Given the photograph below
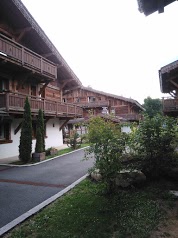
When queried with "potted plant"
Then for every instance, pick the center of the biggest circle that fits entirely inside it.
(39, 153)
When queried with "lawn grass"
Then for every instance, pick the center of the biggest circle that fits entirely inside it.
(86, 212)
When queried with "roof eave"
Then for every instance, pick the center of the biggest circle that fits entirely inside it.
(44, 37)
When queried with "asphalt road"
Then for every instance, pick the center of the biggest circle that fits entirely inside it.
(22, 188)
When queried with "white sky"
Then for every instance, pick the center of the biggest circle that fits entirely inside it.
(109, 44)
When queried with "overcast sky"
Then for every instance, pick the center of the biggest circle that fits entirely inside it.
(109, 44)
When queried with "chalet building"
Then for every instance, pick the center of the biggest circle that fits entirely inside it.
(103, 103)
(150, 6)
(30, 65)
(168, 76)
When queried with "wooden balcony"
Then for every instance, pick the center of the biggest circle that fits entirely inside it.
(10, 51)
(131, 116)
(170, 104)
(93, 104)
(14, 103)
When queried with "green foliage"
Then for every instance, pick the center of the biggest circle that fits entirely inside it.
(154, 142)
(40, 141)
(107, 143)
(74, 140)
(152, 106)
(25, 146)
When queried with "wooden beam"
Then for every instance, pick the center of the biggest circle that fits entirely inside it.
(18, 128)
(59, 65)
(6, 32)
(173, 94)
(22, 32)
(47, 55)
(64, 124)
(120, 106)
(160, 6)
(43, 88)
(71, 89)
(66, 82)
(21, 78)
(174, 83)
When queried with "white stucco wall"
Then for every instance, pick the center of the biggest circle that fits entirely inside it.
(126, 129)
(54, 135)
(54, 138)
(11, 149)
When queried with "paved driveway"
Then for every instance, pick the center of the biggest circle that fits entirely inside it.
(22, 188)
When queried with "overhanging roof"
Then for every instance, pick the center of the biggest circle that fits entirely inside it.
(150, 6)
(168, 76)
(18, 17)
(114, 96)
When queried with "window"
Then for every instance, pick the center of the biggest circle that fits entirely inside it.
(5, 132)
(91, 99)
(33, 90)
(33, 129)
(77, 99)
(4, 84)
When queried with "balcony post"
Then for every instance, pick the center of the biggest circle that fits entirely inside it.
(56, 107)
(7, 102)
(41, 60)
(67, 109)
(22, 55)
(44, 105)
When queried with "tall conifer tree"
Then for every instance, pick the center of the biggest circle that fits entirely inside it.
(25, 147)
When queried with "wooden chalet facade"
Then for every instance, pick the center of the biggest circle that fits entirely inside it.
(104, 103)
(168, 76)
(150, 6)
(30, 65)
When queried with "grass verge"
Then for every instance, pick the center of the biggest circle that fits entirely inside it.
(85, 212)
(65, 151)
(59, 152)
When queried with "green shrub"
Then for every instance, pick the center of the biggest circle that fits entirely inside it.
(154, 142)
(107, 143)
(74, 141)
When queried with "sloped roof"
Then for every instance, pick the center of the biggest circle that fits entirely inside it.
(19, 17)
(168, 75)
(116, 119)
(114, 96)
(150, 6)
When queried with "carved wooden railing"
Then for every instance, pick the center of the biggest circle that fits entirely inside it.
(18, 54)
(93, 104)
(14, 102)
(170, 104)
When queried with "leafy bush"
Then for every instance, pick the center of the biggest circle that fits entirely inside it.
(108, 144)
(154, 142)
(25, 146)
(74, 141)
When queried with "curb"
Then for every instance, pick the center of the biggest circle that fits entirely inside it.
(36, 209)
(44, 161)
